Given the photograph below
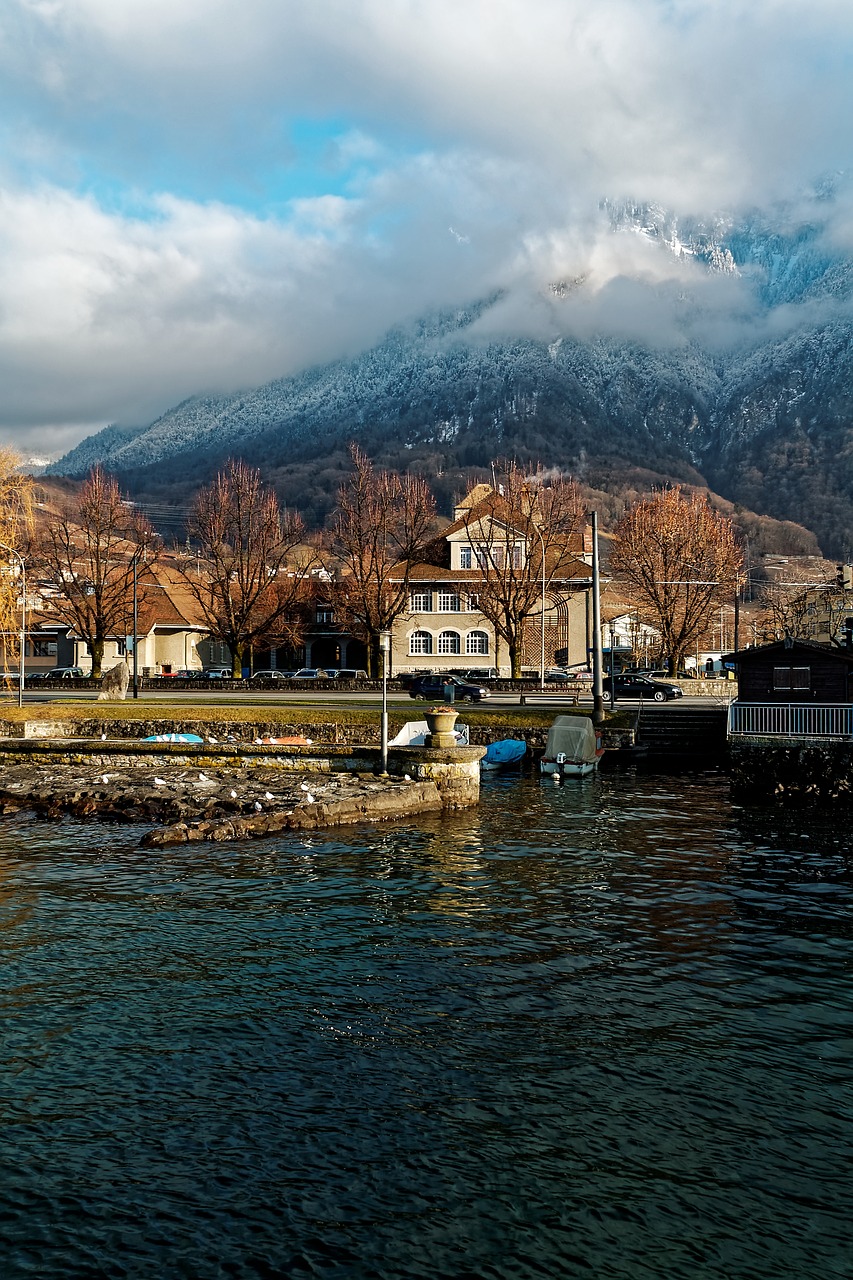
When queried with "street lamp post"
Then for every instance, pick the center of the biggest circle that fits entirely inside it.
(542, 619)
(385, 650)
(135, 628)
(20, 560)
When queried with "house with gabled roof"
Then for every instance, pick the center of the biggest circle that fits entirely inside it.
(171, 633)
(444, 628)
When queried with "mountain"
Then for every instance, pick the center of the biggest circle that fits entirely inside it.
(752, 397)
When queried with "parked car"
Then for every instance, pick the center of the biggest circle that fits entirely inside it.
(66, 673)
(310, 673)
(216, 673)
(433, 687)
(636, 686)
(272, 674)
(558, 675)
(351, 673)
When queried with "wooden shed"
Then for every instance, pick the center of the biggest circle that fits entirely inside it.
(793, 671)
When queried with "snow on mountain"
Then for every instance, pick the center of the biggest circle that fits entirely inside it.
(732, 397)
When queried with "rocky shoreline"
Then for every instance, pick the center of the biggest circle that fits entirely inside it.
(189, 804)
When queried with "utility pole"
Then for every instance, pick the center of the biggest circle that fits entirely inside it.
(597, 680)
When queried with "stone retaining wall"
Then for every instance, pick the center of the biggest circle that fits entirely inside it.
(814, 772)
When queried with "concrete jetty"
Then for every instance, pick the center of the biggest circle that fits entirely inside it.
(231, 791)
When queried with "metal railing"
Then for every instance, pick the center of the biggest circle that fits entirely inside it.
(788, 720)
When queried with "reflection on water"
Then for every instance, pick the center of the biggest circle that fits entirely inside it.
(599, 1030)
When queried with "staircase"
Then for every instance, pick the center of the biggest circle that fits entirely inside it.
(691, 733)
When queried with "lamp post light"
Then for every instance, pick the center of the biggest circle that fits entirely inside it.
(135, 629)
(612, 669)
(385, 650)
(542, 618)
(20, 560)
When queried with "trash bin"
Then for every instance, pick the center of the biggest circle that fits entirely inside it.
(449, 692)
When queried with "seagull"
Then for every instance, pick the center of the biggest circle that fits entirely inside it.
(309, 798)
(212, 739)
(103, 737)
(233, 795)
(407, 777)
(309, 742)
(160, 782)
(202, 777)
(268, 795)
(258, 807)
(105, 778)
(303, 786)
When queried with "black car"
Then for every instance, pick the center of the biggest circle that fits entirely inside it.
(637, 686)
(433, 687)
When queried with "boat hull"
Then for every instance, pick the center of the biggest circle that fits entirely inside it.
(570, 768)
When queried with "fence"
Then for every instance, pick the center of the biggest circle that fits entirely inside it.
(788, 720)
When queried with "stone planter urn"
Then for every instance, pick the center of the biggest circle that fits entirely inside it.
(440, 722)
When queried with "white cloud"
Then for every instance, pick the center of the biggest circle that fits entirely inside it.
(146, 252)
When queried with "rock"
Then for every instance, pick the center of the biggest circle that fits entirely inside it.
(114, 683)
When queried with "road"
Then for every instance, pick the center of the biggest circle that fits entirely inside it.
(327, 698)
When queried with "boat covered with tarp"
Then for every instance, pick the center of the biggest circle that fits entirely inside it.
(573, 748)
(503, 754)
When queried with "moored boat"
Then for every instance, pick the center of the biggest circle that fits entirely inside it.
(573, 748)
(502, 754)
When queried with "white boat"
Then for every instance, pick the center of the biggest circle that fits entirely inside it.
(573, 748)
(414, 733)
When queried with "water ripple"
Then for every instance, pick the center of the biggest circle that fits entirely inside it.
(599, 1031)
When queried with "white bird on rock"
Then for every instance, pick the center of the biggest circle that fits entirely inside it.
(160, 782)
(258, 807)
(309, 797)
(303, 786)
(103, 737)
(202, 777)
(105, 778)
(268, 795)
(233, 795)
(213, 739)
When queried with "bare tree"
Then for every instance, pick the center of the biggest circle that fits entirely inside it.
(249, 574)
(529, 523)
(89, 553)
(682, 558)
(382, 524)
(16, 518)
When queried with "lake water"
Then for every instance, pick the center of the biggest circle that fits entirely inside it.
(597, 1031)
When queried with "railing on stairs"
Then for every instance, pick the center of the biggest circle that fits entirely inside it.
(789, 720)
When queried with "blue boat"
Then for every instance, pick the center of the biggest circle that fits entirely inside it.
(174, 737)
(502, 754)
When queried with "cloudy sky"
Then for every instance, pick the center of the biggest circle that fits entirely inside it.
(200, 195)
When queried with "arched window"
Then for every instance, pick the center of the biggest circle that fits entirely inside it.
(477, 642)
(420, 642)
(449, 642)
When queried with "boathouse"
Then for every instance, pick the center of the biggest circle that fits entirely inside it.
(790, 730)
(792, 688)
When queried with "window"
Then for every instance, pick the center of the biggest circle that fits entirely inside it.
(421, 601)
(517, 555)
(44, 648)
(325, 615)
(785, 678)
(477, 642)
(473, 602)
(465, 557)
(421, 642)
(448, 601)
(448, 642)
